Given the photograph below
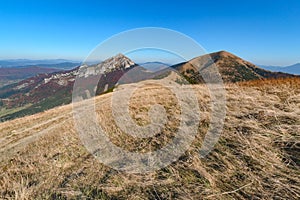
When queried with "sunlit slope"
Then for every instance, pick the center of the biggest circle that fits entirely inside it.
(257, 155)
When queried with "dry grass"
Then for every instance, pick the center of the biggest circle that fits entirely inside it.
(257, 156)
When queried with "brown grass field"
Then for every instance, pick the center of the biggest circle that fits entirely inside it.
(256, 157)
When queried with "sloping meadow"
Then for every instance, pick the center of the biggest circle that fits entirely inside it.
(256, 157)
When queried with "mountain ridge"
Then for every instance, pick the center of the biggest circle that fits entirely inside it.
(46, 91)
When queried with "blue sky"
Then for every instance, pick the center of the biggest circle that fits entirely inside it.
(263, 32)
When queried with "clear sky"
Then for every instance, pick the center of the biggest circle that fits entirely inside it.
(264, 32)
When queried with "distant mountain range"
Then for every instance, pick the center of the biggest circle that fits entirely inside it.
(61, 66)
(47, 90)
(65, 64)
(51, 63)
(292, 69)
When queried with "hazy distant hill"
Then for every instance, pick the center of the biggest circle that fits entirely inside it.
(51, 63)
(154, 66)
(292, 69)
(62, 66)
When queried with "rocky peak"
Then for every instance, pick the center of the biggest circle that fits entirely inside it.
(118, 62)
(115, 63)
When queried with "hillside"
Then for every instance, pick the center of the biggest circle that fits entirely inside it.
(15, 74)
(256, 157)
(231, 68)
(36, 94)
(46, 91)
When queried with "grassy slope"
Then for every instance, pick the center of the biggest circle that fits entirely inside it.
(256, 157)
(60, 98)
